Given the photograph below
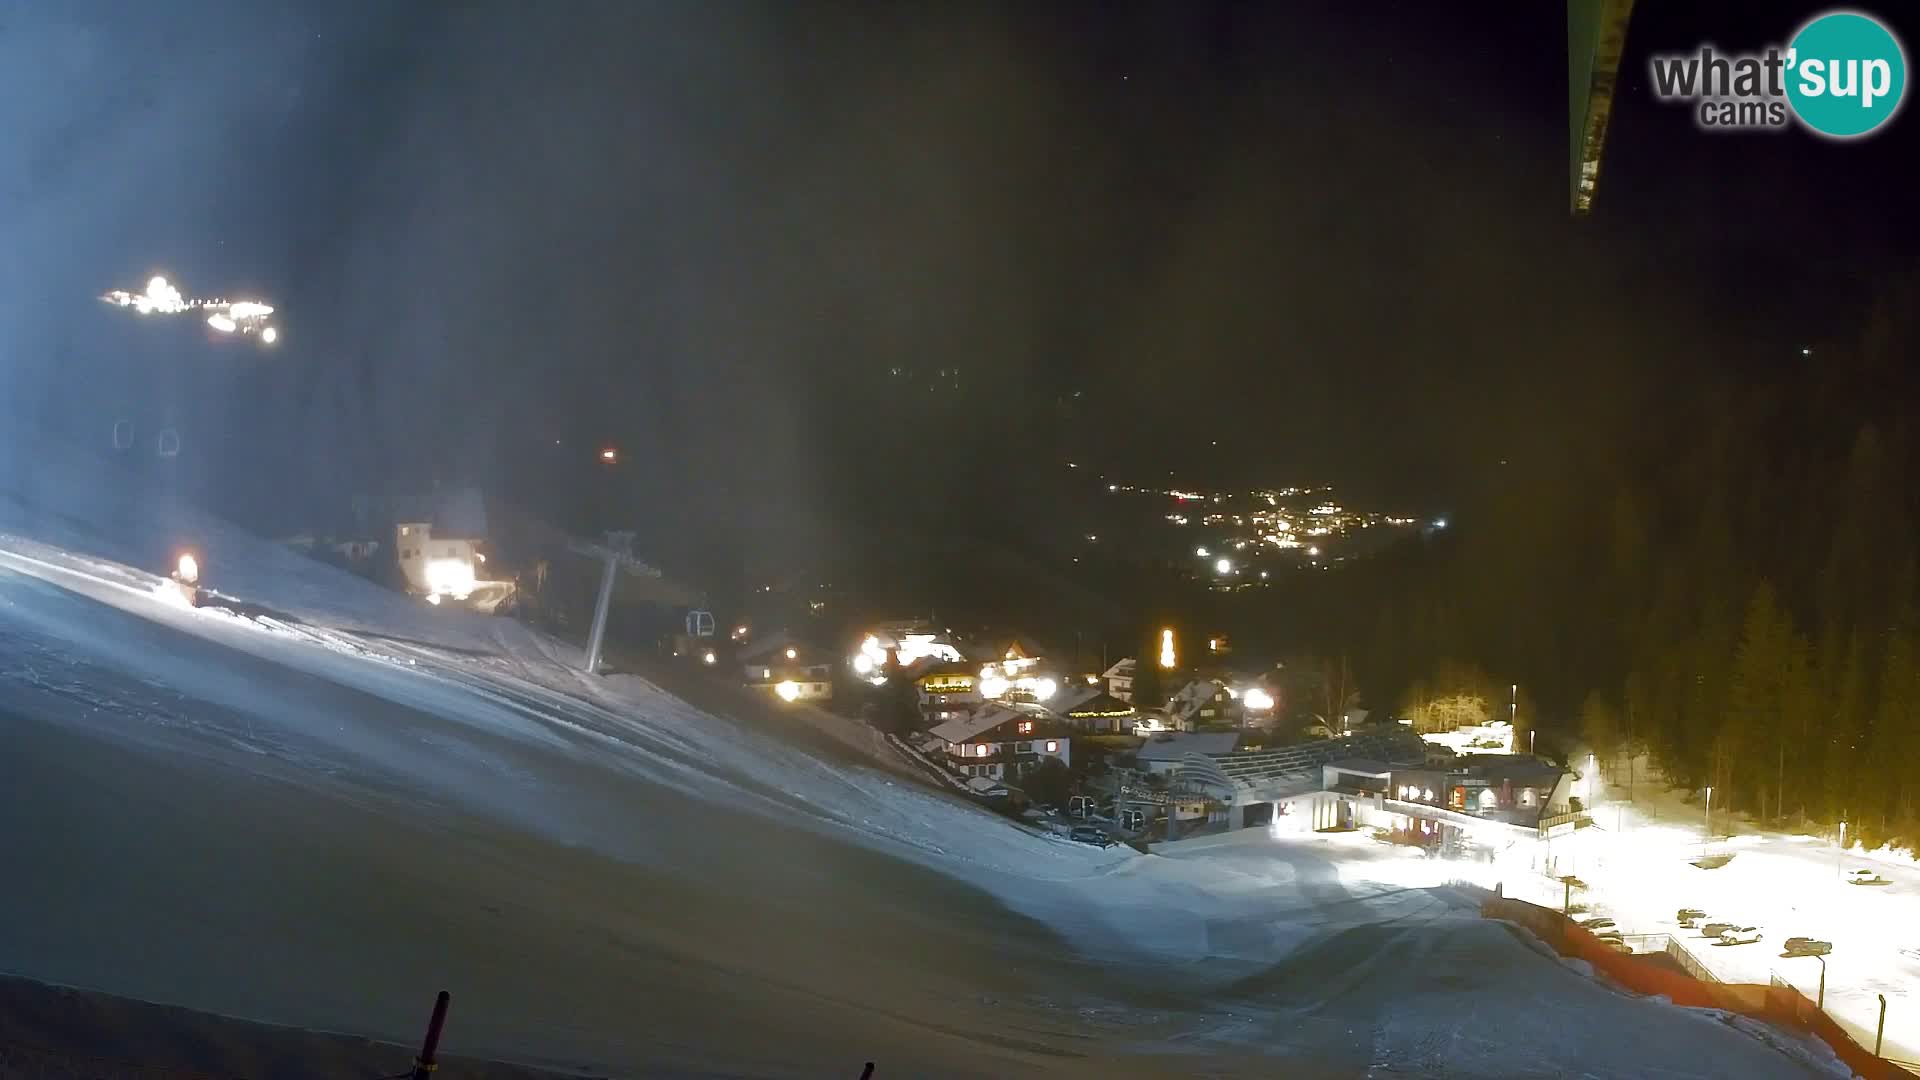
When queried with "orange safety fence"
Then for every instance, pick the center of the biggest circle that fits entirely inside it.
(1779, 1005)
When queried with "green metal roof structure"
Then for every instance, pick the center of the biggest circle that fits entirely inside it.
(1596, 39)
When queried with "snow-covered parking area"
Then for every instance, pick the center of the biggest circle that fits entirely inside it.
(1638, 861)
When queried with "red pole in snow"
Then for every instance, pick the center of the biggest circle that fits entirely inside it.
(424, 1065)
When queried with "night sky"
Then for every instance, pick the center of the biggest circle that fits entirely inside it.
(1333, 237)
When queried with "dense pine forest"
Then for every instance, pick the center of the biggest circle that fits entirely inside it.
(1730, 586)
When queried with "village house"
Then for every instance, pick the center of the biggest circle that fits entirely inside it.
(788, 668)
(1203, 705)
(1091, 709)
(1002, 743)
(1119, 679)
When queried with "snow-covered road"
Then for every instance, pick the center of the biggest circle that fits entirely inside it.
(321, 822)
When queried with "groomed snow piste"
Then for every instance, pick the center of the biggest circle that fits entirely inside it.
(320, 820)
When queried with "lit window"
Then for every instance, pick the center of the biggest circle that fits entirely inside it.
(1053, 747)
(980, 750)
(1026, 727)
(1426, 795)
(1489, 799)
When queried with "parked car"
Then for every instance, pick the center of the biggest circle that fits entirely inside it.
(1806, 946)
(1740, 935)
(1597, 924)
(1864, 876)
(1688, 916)
(1087, 834)
(1715, 929)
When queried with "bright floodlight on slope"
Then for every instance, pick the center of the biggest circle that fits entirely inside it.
(1041, 689)
(788, 690)
(709, 657)
(188, 570)
(450, 577)
(162, 297)
(1257, 699)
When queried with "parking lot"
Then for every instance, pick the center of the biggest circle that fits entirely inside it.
(1638, 865)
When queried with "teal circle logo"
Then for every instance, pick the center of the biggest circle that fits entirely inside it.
(1846, 74)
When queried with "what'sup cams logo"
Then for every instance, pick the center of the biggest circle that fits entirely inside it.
(1842, 76)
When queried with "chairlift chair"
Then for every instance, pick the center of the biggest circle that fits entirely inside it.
(123, 434)
(700, 624)
(168, 444)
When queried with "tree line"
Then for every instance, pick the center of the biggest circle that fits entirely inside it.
(1732, 588)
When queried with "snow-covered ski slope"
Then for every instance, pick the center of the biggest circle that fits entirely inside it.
(320, 822)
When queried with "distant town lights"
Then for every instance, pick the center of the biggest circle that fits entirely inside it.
(1201, 552)
(1223, 566)
(610, 455)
